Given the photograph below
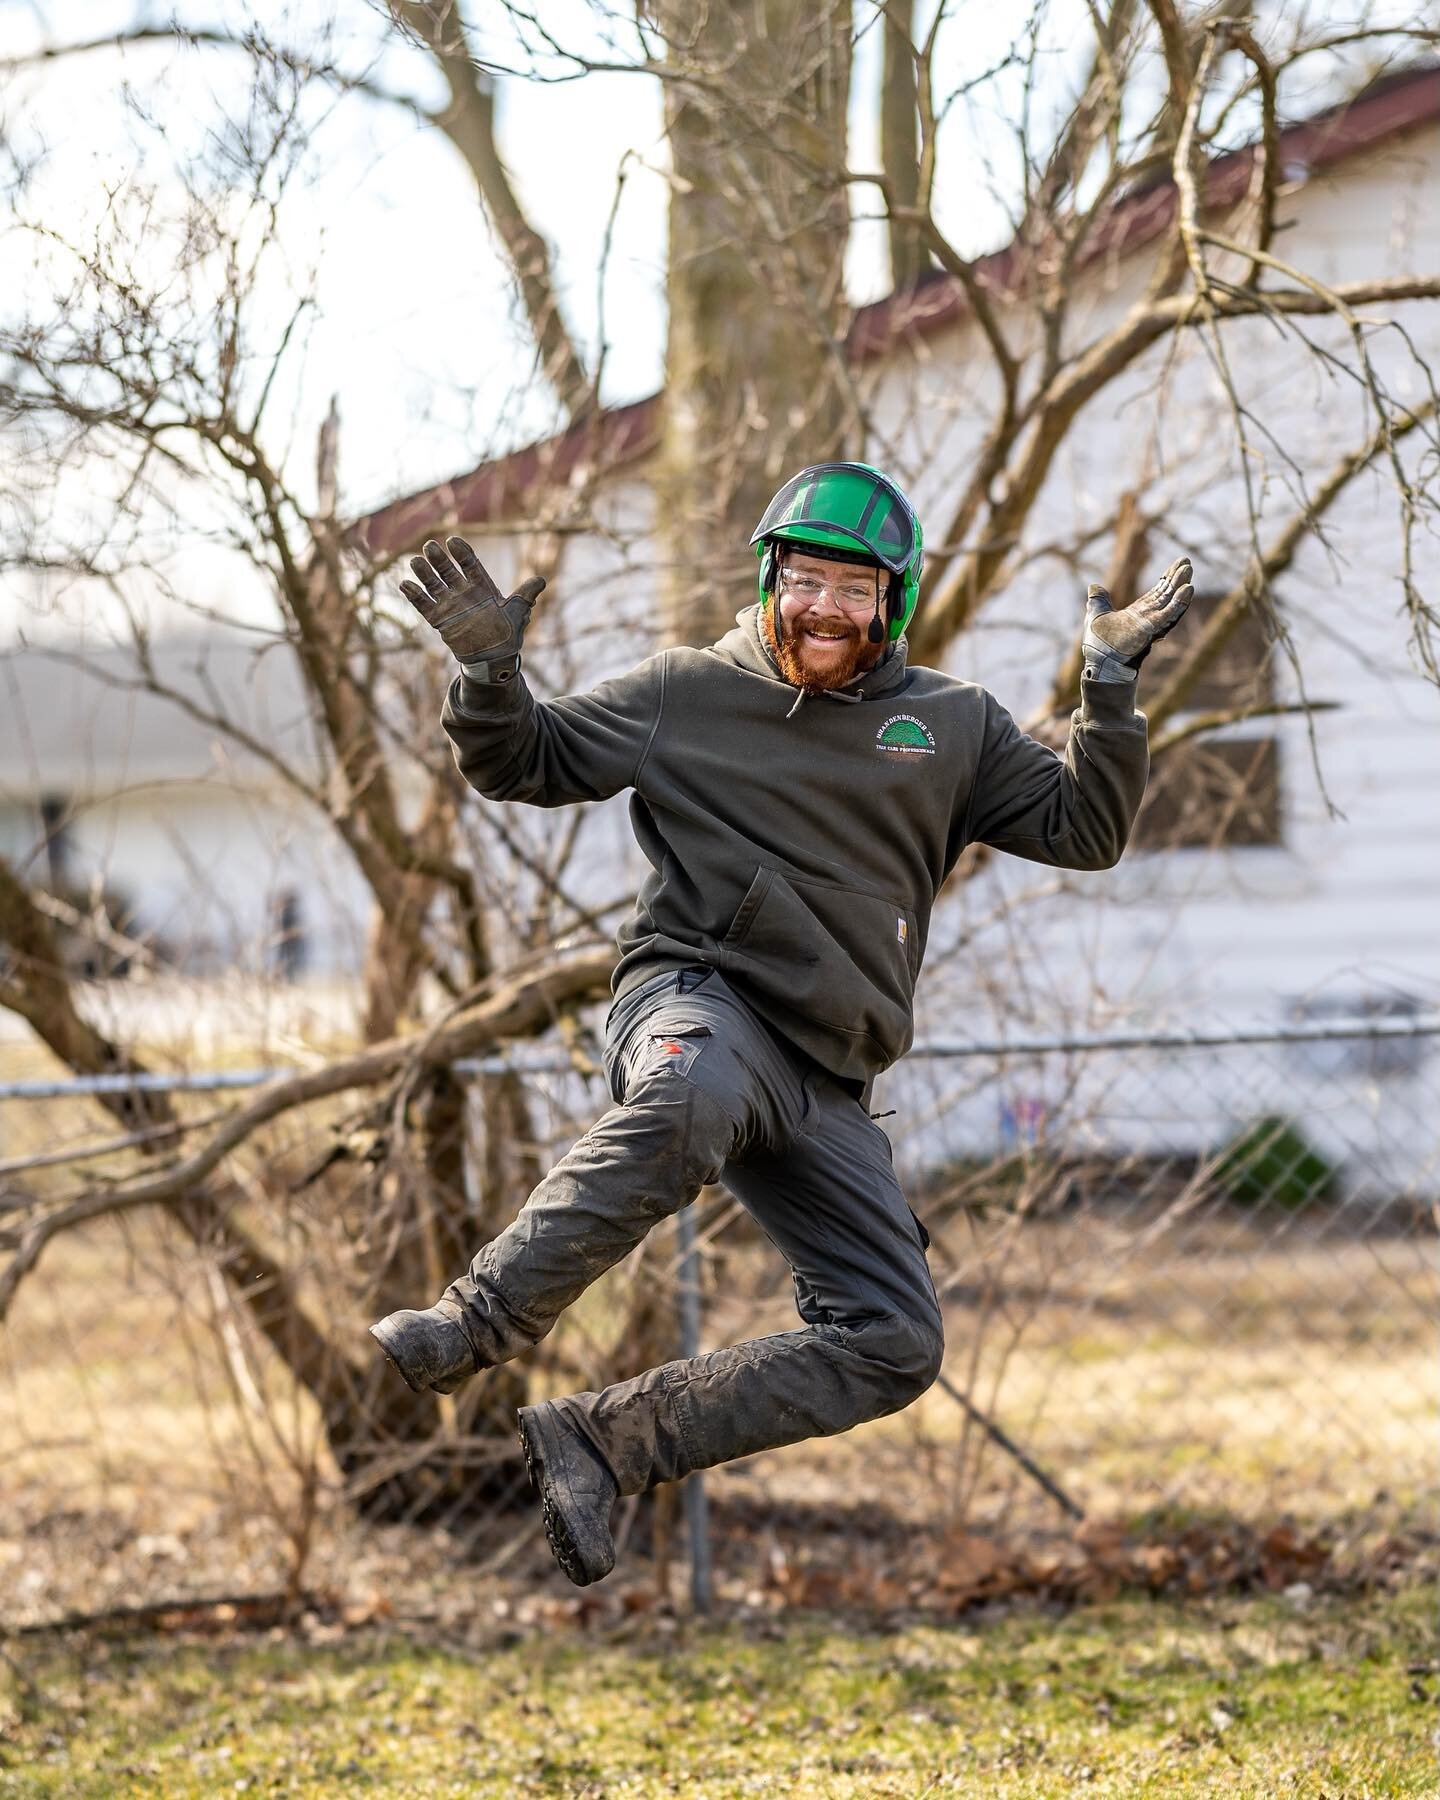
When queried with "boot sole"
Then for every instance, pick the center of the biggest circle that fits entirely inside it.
(533, 1435)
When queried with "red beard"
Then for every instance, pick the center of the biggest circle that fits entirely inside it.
(856, 654)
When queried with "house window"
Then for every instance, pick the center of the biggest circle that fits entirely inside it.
(1214, 790)
(1371, 1059)
(55, 823)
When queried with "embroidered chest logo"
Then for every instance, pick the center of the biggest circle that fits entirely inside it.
(903, 734)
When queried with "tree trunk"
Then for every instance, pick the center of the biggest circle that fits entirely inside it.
(900, 141)
(394, 957)
(439, 1467)
(508, 1167)
(755, 378)
(420, 1452)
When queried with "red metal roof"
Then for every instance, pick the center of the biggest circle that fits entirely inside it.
(1392, 106)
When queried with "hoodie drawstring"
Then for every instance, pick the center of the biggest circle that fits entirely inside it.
(827, 694)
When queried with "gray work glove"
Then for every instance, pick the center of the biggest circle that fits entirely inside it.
(1115, 643)
(456, 596)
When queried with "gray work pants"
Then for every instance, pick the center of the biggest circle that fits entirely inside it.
(706, 1092)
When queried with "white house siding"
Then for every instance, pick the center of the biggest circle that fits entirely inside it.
(197, 837)
(1340, 912)
(204, 865)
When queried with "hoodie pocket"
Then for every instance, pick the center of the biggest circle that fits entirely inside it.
(834, 958)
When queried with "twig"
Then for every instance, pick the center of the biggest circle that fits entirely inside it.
(509, 1551)
(1265, 176)
(1235, 715)
(1273, 561)
(131, 1140)
(1011, 1448)
(98, 926)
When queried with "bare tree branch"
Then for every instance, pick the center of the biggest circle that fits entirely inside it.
(516, 1008)
(967, 579)
(252, 42)
(469, 123)
(1205, 723)
(1261, 572)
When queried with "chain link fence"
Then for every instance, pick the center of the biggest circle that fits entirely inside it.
(1189, 1282)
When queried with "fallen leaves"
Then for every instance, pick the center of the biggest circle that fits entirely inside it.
(768, 1560)
(950, 1572)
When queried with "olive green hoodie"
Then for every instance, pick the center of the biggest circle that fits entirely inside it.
(797, 841)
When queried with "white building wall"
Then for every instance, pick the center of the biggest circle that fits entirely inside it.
(203, 866)
(1341, 910)
(1343, 890)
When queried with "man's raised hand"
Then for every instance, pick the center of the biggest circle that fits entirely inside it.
(1116, 643)
(454, 593)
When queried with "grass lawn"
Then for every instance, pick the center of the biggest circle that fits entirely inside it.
(1139, 1697)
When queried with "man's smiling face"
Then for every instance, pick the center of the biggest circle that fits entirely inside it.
(823, 637)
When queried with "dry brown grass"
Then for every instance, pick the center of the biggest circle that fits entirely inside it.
(1257, 1379)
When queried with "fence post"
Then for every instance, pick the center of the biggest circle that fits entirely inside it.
(697, 1512)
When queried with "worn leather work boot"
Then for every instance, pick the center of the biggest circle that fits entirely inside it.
(430, 1348)
(576, 1491)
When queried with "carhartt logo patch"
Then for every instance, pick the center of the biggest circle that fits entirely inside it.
(903, 734)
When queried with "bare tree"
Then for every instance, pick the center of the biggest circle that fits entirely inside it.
(170, 397)
(1126, 170)
(1165, 147)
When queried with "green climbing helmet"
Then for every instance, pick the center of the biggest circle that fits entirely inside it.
(856, 514)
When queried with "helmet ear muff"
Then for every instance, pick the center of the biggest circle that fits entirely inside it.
(894, 606)
(904, 593)
(770, 569)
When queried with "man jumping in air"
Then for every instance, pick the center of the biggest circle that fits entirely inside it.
(800, 793)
